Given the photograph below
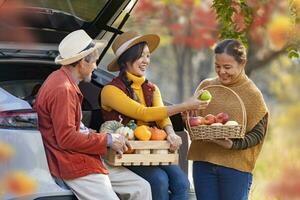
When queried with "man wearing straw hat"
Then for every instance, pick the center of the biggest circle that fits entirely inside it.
(74, 157)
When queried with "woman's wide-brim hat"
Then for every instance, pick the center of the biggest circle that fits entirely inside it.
(128, 39)
(77, 45)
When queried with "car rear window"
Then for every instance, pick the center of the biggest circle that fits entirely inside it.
(86, 10)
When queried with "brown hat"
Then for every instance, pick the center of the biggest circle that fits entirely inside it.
(127, 40)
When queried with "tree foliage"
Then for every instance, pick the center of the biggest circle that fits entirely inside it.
(193, 26)
(235, 18)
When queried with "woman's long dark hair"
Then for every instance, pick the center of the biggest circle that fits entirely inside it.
(129, 56)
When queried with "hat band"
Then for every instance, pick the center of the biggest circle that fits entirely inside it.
(124, 46)
(90, 45)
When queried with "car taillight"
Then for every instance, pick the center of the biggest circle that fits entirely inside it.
(18, 119)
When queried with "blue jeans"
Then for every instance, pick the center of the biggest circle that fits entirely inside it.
(215, 182)
(167, 182)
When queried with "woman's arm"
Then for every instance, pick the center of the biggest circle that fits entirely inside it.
(157, 101)
(114, 98)
(252, 138)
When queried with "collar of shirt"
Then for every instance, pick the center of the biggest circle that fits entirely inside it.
(72, 79)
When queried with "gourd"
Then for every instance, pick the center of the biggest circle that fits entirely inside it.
(142, 133)
(110, 126)
(131, 124)
(126, 131)
(157, 134)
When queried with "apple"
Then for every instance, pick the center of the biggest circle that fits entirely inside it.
(222, 117)
(209, 119)
(196, 121)
(205, 96)
(232, 123)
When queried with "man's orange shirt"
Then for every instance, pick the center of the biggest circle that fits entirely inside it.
(70, 153)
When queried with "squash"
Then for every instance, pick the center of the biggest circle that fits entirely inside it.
(110, 126)
(126, 131)
(157, 134)
(142, 133)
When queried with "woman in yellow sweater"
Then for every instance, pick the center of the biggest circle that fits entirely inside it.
(222, 169)
(132, 96)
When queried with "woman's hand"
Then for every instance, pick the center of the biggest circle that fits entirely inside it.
(225, 143)
(193, 103)
(175, 141)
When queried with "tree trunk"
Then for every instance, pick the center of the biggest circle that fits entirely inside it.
(180, 58)
(255, 63)
(205, 66)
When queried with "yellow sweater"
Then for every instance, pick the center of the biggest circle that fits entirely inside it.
(112, 98)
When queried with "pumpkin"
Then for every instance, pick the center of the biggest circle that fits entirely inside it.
(126, 131)
(110, 126)
(157, 134)
(129, 151)
(142, 133)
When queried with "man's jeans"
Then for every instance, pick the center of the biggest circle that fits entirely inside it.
(167, 182)
(215, 182)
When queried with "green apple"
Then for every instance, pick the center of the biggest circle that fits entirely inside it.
(205, 96)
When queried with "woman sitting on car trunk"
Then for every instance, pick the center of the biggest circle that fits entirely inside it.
(132, 96)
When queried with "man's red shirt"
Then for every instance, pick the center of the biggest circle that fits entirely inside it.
(70, 154)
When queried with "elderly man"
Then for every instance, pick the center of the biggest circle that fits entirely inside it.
(74, 157)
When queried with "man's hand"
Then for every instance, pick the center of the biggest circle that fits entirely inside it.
(225, 143)
(118, 143)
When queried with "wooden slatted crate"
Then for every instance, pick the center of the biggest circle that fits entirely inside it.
(146, 153)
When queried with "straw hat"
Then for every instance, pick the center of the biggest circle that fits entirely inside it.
(127, 40)
(75, 47)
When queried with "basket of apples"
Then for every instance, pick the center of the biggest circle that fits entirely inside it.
(223, 118)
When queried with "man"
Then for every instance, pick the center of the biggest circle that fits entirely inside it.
(74, 158)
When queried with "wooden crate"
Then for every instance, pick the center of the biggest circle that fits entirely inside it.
(146, 153)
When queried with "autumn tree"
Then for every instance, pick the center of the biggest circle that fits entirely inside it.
(194, 26)
(191, 27)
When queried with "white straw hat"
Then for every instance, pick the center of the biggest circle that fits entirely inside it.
(75, 46)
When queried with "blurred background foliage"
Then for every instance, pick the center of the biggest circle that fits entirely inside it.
(190, 28)
(270, 29)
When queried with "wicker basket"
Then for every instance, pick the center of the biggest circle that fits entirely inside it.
(233, 105)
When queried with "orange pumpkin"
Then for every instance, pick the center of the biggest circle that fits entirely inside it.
(158, 134)
(142, 133)
(129, 151)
